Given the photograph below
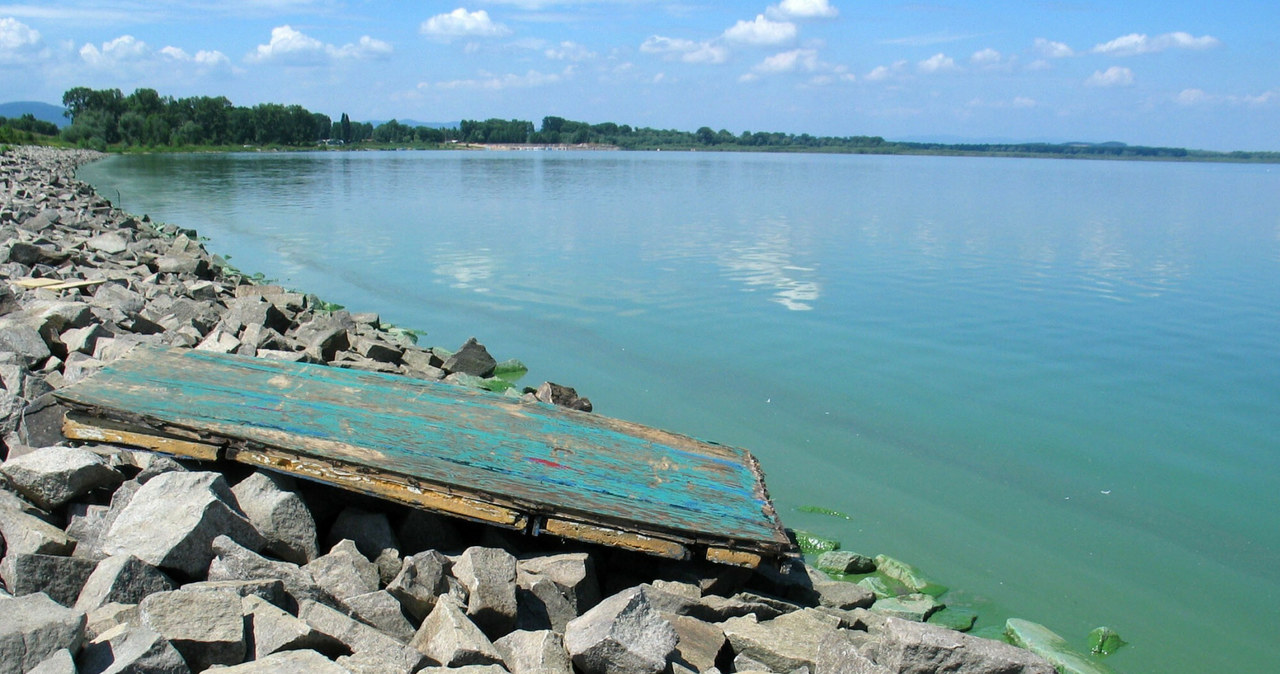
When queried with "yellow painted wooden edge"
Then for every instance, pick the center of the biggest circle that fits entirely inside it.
(56, 284)
(386, 485)
(743, 558)
(592, 533)
(98, 430)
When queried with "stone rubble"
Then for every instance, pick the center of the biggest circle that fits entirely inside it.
(121, 560)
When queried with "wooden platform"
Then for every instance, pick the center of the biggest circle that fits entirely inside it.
(477, 455)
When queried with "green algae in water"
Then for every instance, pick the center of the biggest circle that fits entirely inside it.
(819, 510)
(958, 618)
(510, 370)
(1105, 641)
(812, 544)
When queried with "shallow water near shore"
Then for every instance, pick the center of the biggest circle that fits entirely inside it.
(1051, 385)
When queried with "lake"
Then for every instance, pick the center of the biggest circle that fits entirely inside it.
(1052, 385)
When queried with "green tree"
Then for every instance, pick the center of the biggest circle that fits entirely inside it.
(346, 129)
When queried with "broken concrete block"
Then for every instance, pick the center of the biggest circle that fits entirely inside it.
(207, 628)
(621, 635)
(52, 476)
(449, 638)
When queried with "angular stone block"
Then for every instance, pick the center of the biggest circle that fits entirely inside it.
(280, 515)
(623, 634)
(421, 580)
(344, 572)
(131, 648)
(35, 627)
(489, 574)
(450, 639)
(233, 561)
(52, 476)
(275, 630)
(382, 611)
(207, 628)
(574, 573)
(784, 643)
(59, 577)
(538, 652)
(361, 638)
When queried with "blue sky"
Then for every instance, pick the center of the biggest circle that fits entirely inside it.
(1191, 74)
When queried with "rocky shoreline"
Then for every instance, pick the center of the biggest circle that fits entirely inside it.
(125, 561)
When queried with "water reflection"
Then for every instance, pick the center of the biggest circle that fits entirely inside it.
(768, 264)
(466, 270)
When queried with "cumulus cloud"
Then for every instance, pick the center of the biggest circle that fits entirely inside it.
(800, 60)
(492, 82)
(986, 57)
(1115, 76)
(685, 50)
(1190, 97)
(461, 23)
(802, 9)
(1051, 49)
(205, 59)
(17, 38)
(291, 47)
(129, 54)
(569, 51)
(124, 49)
(937, 63)
(882, 73)
(761, 32)
(1138, 43)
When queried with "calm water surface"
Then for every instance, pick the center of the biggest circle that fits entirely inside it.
(1053, 385)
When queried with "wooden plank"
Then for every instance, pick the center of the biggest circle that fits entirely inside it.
(467, 452)
(79, 427)
(630, 540)
(57, 284)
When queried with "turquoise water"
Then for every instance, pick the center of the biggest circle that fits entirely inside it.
(1052, 385)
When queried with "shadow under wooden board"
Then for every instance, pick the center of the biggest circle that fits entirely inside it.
(522, 465)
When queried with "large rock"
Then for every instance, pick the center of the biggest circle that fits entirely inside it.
(59, 577)
(917, 607)
(1053, 649)
(35, 627)
(371, 531)
(233, 561)
(172, 520)
(27, 534)
(623, 634)
(207, 628)
(422, 578)
(489, 574)
(451, 640)
(908, 575)
(381, 610)
(361, 638)
(842, 595)
(472, 358)
(909, 647)
(839, 653)
(344, 572)
(784, 643)
(60, 662)
(129, 649)
(700, 643)
(52, 476)
(124, 579)
(41, 423)
(24, 340)
(844, 561)
(275, 630)
(540, 604)
(538, 652)
(289, 662)
(279, 514)
(574, 573)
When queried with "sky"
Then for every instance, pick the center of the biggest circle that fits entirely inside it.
(1165, 73)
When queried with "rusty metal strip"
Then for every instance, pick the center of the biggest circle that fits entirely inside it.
(385, 485)
(79, 427)
(749, 560)
(591, 533)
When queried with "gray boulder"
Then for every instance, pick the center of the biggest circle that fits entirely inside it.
(60, 662)
(784, 643)
(842, 595)
(843, 561)
(52, 476)
(917, 607)
(451, 640)
(909, 647)
(361, 638)
(700, 643)
(26, 534)
(541, 605)
(344, 572)
(232, 561)
(422, 578)
(539, 652)
(381, 610)
(839, 653)
(489, 574)
(279, 514)
(574, 573)
(34, 628)
(472, 358)
(623, 634)
(172, 520)
(131, 649)
(270, 590)
(371, 531)
(24, 340)
(59, 577)
(207, 628)
(289, 662)
(124, 579)
(275, 630)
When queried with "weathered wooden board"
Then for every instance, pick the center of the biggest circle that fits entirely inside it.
(487, 457)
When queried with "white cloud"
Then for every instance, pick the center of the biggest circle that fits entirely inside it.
(1024, 102)
(124, 49)
(788, 61)
(761, 32)
(461, 23)
(569, 51)
(882, 73)
(205, 59)
(685, 50)
(1053, 50)
(291, 47)
(802, 9)
(1138, 43)
(17, 36)
(1115, 76)
(494, 82)
(1190, 97)
(937, 63)
(986, 57)
(1038, 65)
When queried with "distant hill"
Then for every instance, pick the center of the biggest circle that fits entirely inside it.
(41, 111)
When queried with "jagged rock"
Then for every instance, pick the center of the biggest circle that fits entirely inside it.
(61, 578)
(371, 531)
(270, 590)
(452, 640)
(1049, 648)
(289, 662)
(344, 572)
(60, 662)
(111, 243)
(839, 654)
(841, 595)
(41, 422)
(25, 341)
(381, 610)
(108, 616)
(377, 350)
(908, 575)
(843, 561)
(621, 635)
(322, 337)
(275, 630)
(714, 609)
(219, 341)
(910, 647)
(421, 580)
(90, 543)
(699, 645)
(207, 628)
(917, 607)
(172, 520)
(117, 296)
(35, 627)
(280, 515)
(24, 533)
(574, 573)
(539, 652)
(254, 311)
(52, 476)
(233, 561)
(131, 648)
(784, 643)
(472, 358)
(361, 638)
(489, 574)
(563, 396)
(388, 562)
(540, 604)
